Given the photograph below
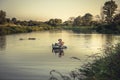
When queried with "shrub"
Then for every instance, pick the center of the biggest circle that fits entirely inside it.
(104, 67)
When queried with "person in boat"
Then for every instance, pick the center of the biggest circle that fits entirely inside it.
(60, 42)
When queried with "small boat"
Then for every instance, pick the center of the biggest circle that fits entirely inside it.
(58, 47)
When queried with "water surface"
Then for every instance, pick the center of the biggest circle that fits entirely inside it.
(34, 59)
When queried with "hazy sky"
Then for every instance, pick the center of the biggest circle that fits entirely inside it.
(45, 9)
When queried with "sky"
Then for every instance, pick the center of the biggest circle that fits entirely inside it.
(43, 10)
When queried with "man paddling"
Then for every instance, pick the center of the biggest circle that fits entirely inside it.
(60, 42)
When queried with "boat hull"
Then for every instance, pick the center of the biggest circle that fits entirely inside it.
(58, 47)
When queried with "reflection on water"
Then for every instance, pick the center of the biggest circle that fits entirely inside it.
(2, 42)
(109, 39)
(58, 52)
(33, 59)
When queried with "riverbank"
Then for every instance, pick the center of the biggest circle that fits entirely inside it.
(4, 30)
(102, 29)
(80, 29)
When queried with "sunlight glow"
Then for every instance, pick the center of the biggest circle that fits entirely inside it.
(45, 9)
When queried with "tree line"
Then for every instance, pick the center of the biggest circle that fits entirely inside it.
(106, 22)
(4, 20)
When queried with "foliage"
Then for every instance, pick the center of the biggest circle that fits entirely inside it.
(84, 20)
(55, 22)
(80, 29)
(101, 66)
(77, 21)
(14, 20)
(80, 24)
(87, 18)
(109, 9)
(117, 19)
(2, 16)
(68, 23)
(104, 67)
(108, 28)
(20, 29)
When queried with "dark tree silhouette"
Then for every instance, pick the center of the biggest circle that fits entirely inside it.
(86, 19)
(2, 16)
(117, 19)
(77, 21)
(55, 22)
(14, 20)
(109, 9)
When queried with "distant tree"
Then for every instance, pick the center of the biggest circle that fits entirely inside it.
(51, 22)
(71, 19)
(14, 20)
(77, 21)
(97, 18)
(102, 15)
(68, 23)
(24, 23)
(55, 22)
(86, 19)
(117, 19)
(109, 9)
(58, 22)
(8, 20)
(2, 16)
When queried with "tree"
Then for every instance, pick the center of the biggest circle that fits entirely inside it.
(8, 20)
(117, 19)
(68, 23)
(55, 22)
(77, 21)
(71, 19)
(86, 19)
(58, 22)
(14, 20)
(109, 9)
(2, 16)
(102, 15)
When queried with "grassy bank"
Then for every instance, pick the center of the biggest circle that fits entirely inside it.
(80, 29)
(24, 29)
(102, 29)
(108, 28)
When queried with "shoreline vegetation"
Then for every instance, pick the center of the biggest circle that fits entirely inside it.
(101, 66)
(107, 23)
(102, 29)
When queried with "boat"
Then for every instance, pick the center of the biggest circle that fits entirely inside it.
(54, 46)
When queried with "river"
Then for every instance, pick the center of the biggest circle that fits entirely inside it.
(34, 59)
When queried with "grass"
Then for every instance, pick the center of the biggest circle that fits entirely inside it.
(8, 29)
(80, 29)
(104, 66)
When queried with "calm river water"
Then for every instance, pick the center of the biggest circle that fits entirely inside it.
(34, 59)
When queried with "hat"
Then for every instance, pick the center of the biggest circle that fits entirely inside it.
(59, 39)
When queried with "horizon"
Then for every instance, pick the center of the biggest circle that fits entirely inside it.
(43, 10)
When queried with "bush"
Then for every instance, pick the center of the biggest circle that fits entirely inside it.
(108, 28)
(21, 29)
(105, 67)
